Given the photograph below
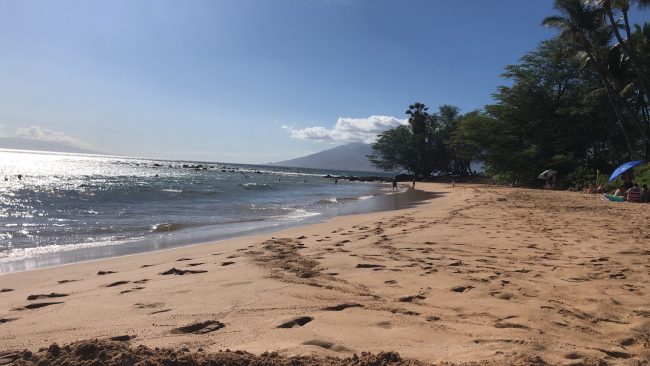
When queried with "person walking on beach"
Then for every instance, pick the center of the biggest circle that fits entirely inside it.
(394, 183)
(413, 181)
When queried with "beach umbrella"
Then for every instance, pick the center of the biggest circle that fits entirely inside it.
(546, 173)
(624, 168)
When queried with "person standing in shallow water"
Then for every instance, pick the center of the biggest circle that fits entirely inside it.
(414, 182)
(394, 183)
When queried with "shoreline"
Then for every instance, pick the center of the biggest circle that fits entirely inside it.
(477, 274)
(377, 203)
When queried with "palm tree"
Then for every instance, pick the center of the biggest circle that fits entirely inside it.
(418, 117)
(581, 26)
(627, 47)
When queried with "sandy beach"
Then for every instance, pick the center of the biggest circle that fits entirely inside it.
(482, 274)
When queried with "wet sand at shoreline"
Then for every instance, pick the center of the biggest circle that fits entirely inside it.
(478, 274)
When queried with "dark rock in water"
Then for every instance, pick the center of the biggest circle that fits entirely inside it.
(353, 178)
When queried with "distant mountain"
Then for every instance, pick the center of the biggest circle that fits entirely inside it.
(345, 157)
(40, 145)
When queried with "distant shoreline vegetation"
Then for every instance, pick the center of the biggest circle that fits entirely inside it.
(577, 104)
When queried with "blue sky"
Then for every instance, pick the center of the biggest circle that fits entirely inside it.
(247, 80)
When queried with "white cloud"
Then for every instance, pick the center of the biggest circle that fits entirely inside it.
(44, 134)
(348, 129)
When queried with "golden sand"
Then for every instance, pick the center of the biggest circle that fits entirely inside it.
(477, 274)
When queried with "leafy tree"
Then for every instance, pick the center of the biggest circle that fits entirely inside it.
(578, 104)
(423, 146)
(394, 151)
(545, 121)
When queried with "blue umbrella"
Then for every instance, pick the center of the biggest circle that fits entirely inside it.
(624, 168)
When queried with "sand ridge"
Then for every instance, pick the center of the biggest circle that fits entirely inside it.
(480, 274)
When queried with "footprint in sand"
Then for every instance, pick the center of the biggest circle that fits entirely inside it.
(137, 288)
(194, 264)
(66, 281)
(181, 272)
(6, 290)
(37, 305)
(102, 273)
(384, 324)
(183, 259)
(403, 312)
(153, 305)
(122, 338)
(341, 307)
(627, 342)
(412, 298)
(502, 295)
(503, 325)
(461, 289)
(391, 282)
(326, 345)
(615, 354)
(45, 296)
(118, 283)
(199, 328)
(227, 263)
(159, 311)
(642, 313)
(368, 265)
(7, 320)
(297, 322)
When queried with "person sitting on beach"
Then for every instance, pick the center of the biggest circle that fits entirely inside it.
(634, 193)
(620, 191)
(600, 189)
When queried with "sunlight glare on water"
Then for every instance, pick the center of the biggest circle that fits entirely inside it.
(65, 202)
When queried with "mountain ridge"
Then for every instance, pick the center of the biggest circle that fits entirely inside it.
(350, 157)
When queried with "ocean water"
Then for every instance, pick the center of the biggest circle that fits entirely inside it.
(69, 208)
